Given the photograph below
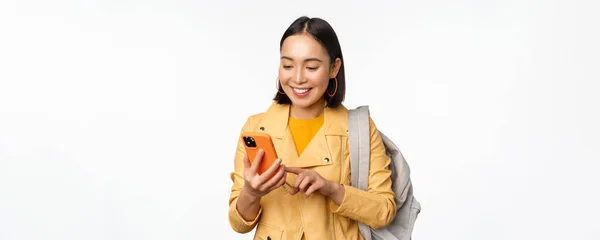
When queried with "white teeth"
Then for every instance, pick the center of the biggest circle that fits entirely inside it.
(298, 90)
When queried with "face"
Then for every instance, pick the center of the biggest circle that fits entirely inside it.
(305, 70)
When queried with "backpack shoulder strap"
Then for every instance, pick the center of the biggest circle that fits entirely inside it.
(359, 137)
(360, 149)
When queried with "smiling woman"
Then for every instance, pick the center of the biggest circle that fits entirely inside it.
(311, 57)
(308, 125)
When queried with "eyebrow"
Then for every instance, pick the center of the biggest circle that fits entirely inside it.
(306, 60)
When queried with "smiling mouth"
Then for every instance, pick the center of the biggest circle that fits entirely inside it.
(301, 90)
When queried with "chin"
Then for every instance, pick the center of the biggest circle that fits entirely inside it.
(304, 103)
(301, 103)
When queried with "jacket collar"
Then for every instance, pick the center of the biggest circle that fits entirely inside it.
(335, 120)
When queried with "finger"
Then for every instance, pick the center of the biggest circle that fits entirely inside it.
(275, 179)
(257, 160)
(313, 188)
(246, 162)
(267, 174)
(294, 189)
(298, 180)
(305, 184)
(280, 183)
(294, 170)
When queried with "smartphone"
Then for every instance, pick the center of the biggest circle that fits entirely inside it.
(253, 141)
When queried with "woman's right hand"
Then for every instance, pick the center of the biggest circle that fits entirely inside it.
(258, 185)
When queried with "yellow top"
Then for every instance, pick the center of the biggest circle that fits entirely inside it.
(303, 130)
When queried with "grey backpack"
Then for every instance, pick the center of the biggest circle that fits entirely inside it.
(408, 208)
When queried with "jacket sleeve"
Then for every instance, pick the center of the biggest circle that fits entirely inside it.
(376, 206)
(236, 221)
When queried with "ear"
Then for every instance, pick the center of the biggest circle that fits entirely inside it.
(335, 68)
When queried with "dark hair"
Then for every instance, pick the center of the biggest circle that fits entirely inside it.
(321, 31)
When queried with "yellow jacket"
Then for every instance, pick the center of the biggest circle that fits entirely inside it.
(283, 216)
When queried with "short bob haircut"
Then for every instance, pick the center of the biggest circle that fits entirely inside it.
(321, 31)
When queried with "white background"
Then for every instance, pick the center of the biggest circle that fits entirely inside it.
(119, 119)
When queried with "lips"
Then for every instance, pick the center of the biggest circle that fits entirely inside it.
(301, 92)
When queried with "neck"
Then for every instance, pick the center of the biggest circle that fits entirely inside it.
(309, 112)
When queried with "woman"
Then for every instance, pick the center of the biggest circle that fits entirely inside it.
(308, 125)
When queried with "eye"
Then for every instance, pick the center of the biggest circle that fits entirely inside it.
(287, 67)
(312, 68)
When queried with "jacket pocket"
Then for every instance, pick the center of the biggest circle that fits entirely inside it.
(267, 232)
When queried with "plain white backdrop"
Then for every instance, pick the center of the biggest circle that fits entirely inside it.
(119, 119)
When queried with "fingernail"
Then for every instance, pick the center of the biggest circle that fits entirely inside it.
(260, 151)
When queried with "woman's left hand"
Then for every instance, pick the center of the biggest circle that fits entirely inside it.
(309, 181)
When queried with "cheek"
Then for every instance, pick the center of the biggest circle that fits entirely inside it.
(320, 79)
(284, 76)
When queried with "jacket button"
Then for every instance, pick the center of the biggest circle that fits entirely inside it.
(326, 160)
(262, 128)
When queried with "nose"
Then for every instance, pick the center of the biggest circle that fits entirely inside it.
(299, 78)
